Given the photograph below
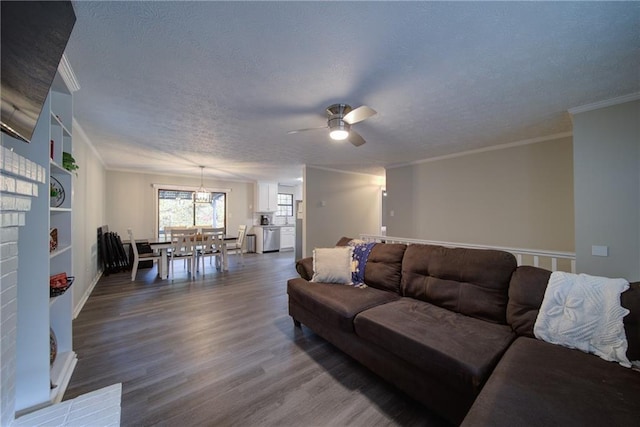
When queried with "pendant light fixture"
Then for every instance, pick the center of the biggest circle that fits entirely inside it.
(202, 195)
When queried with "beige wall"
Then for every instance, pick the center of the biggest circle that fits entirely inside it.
(520, 196)
(131, 201)
(339, 204)
(607, 190)
(88, 214)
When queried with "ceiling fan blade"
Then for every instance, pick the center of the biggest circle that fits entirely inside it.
(291, 132)
(359, 114)
(355, 138)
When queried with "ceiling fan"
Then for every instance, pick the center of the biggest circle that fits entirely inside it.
(339, 121)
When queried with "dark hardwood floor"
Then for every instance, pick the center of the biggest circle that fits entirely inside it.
(222, 350)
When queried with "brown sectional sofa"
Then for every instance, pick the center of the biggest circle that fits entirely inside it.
(453, 328)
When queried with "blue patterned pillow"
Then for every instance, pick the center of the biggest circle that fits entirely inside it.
(361, 253)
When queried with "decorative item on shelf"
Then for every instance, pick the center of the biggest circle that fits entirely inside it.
(53, 239)
(51, 143)
(56, 193)
(69, 163)
(59, 283)
(53, 346)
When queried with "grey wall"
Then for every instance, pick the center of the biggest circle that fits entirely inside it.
(607, 190)
(518, 196)
(401, 213)
(339, 204)
(89, 188)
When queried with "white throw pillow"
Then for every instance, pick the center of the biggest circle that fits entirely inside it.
(584, 312)
(332, 265)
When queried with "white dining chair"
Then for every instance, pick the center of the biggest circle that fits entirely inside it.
(183, 248)
(238, 247)
(210, 246)
(219, 230)
(172, 235)
(154, 256)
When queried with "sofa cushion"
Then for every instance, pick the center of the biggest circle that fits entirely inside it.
(457, 349)
(384, 266)
(537, 383)
(336, 304)
(526, 292)
(473, 282)
(344, 241)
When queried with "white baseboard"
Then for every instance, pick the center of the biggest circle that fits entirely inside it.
(85, 297)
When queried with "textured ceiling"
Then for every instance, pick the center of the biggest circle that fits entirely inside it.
(168, 86)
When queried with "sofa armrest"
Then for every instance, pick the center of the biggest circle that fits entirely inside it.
(304, 267)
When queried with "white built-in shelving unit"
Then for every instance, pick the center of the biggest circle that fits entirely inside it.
(38, 382)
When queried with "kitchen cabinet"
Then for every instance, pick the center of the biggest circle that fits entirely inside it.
(266, 197)
(287, 238)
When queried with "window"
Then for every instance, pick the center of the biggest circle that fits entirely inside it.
(285, 204)
(176, 209)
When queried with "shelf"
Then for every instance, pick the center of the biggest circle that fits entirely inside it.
(52, 300)
(56, 168)
(56, 122)
(61, 374)
(59, 251)
(52, 210)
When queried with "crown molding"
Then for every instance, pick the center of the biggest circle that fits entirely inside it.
(179, 175)
(77, 129)
(67, 74)
(179, 187)
(324, 168)
(603, 104)
(486, 149)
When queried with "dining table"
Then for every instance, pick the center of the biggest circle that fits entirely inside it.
(162, 246)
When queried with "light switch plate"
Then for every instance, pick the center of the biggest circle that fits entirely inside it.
(599, 250)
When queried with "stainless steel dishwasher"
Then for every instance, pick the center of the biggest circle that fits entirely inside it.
(271, 239)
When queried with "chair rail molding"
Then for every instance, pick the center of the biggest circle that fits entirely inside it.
(519, 253)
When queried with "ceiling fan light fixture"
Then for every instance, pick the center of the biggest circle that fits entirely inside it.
(202, 195)
(340, 119)
(339, 129)
(339, 134)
